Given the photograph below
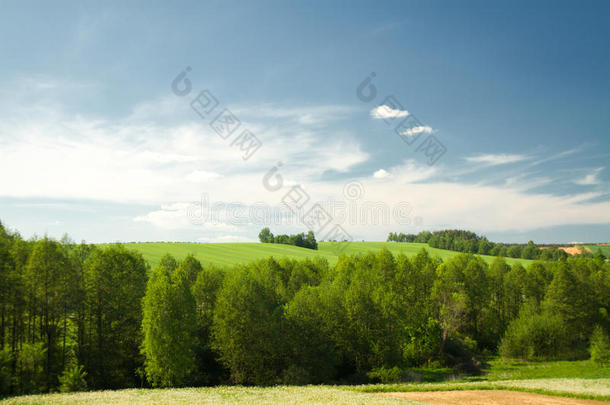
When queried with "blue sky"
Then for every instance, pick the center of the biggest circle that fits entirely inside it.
(93, 141)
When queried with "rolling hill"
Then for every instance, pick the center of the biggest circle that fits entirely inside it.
(229, 254)
(604, 249)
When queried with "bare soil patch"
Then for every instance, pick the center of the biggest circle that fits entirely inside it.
(571, 250)
(489, 397)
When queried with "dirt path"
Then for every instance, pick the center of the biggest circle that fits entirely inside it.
(489, 397)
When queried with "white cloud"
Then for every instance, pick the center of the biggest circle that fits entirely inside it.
(591, 178)
(422, 129)
(339, 156)
(496, 159)
(525, 182)
(411, 172)
(141, 160)
(381, 174)
(179, 216)
(202, 176)
(482, 208)
(384, 111)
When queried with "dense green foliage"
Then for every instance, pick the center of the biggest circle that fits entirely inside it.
(470, 242)
(169, 324)
(73, 379)
(300, 239)
(600, 346)
(75, 316)
(114, 284)
(70, 315)
(376, 316)
(422, 237)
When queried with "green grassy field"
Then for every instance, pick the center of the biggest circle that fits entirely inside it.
(518, 370)
(498, 369)
(575, 379)
(368, 394)
(229, 254)
(216, 395)
(605, 249)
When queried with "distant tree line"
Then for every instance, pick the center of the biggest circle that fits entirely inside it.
(422, 237)
(76, 316)
(470, 242)
(300, 239)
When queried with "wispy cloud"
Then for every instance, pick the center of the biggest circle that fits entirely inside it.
(384, 112)
(496, 159)
(302, 115)
(159, 162)
(174, 216)
(591, 178)
(147, 159)
(422, 129)
(557, 156)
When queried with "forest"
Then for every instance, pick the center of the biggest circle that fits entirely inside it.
(300, 239)
(470, 242)
(77, 316)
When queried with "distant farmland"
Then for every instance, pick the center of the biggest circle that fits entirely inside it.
(605, 249)
(229, 254)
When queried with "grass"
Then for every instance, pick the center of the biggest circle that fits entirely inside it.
(604, 249)
(230, 254)
(216, 395)
(572, 379)
(582, 388)
(586, 369)
(500, 370)
(598, 389)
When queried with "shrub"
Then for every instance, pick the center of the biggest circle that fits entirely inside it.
(536, 336)
(424, 343)
(73, 379)
(599, 346)
(386, 375)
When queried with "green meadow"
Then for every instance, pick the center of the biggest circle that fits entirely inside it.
(230, 254)
(573, 379)
(604, 249)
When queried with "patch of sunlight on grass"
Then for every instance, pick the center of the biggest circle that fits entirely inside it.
(215, 395)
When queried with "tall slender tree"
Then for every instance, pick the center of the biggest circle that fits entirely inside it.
(169, 325)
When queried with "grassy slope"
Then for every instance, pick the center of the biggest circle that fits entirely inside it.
(228, 254)
(605, 249)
